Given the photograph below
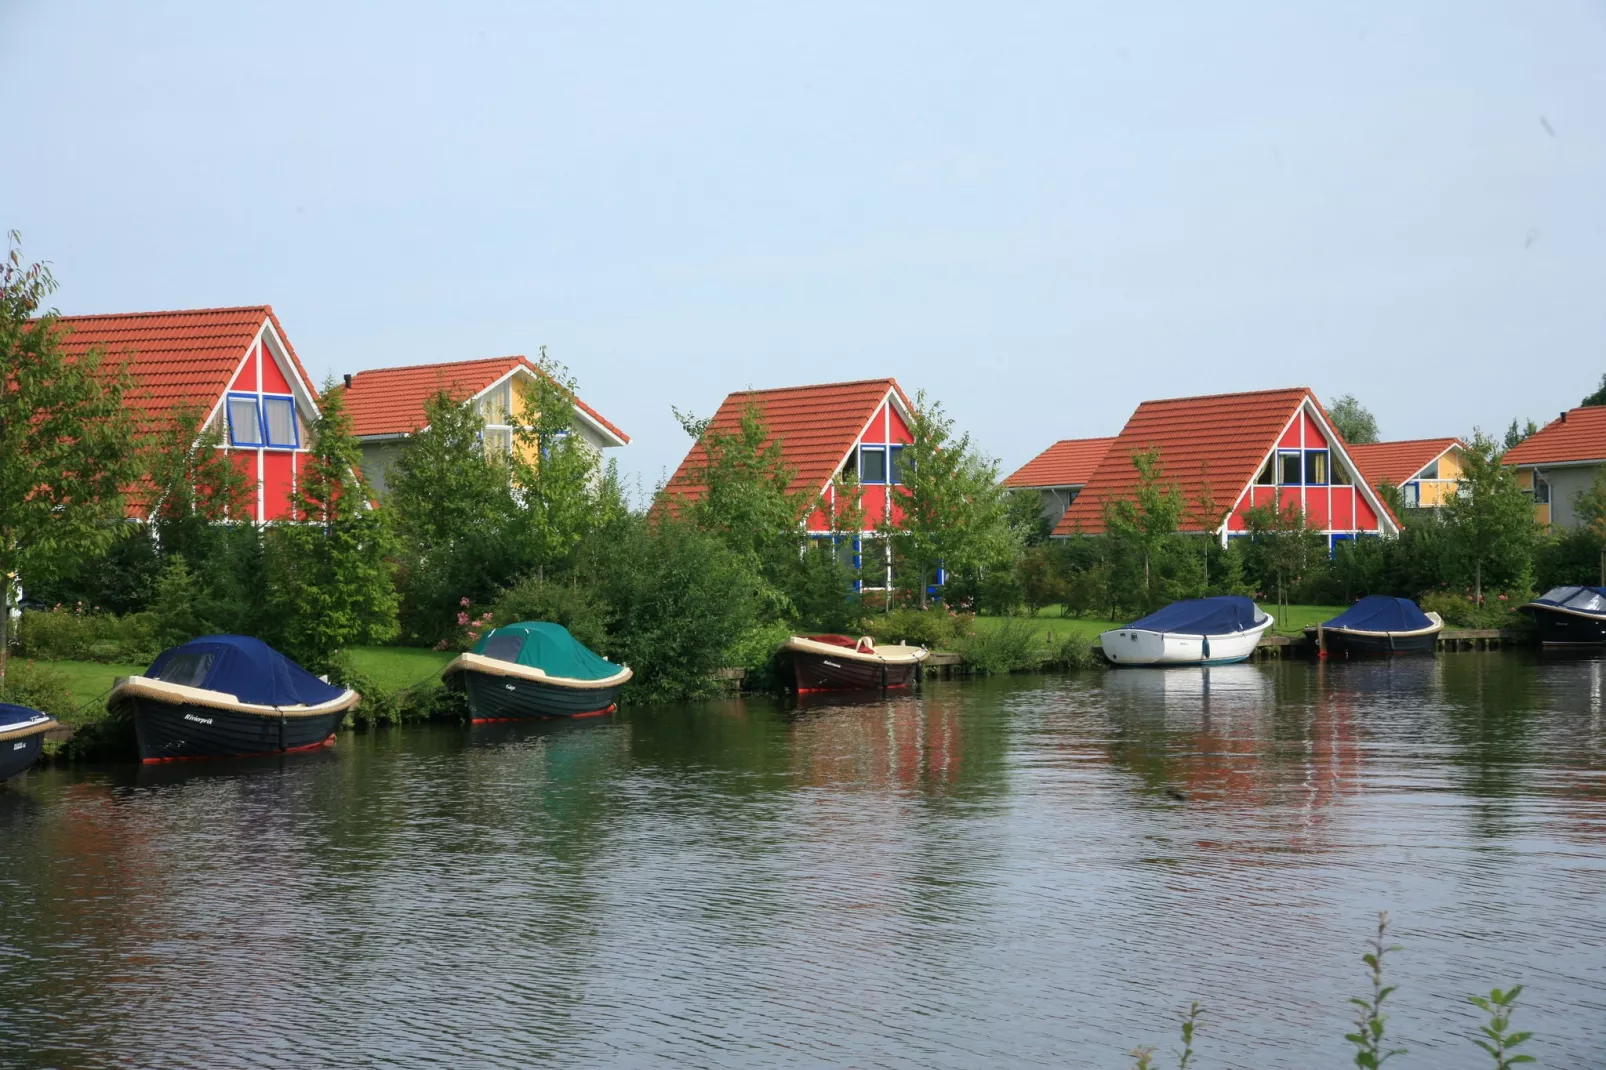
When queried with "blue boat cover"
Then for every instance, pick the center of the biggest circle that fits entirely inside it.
(1587, 599)
(1222, 615)
(1380, 613)
(249, 669)
(15, 716)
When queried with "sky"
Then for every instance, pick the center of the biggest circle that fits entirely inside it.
(1039, 213)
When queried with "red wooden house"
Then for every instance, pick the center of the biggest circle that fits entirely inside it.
(857, 429)
(1229, 453)
(234, 367)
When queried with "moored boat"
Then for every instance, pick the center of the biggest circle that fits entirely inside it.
(1379, 624)
(22, 736)
(1198, 631)
(228, 696)
(843, 663)
(1570, 616)
(532, 670)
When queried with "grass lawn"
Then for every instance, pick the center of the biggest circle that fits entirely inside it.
(1050, 625)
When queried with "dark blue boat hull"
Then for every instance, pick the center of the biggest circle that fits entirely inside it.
(1557, 628)
(492, 697)
(16, 755)
(1347, 644)
(170, 731)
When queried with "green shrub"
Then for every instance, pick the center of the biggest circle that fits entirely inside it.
(933, 628)
(63, 634)
(1074, 652)
(1499, 609)
(565, 602)
(755, 651)
(1010, 647)
(28, 683)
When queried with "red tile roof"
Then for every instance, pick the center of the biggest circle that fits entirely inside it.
(1067, 463)
(816, 425)
(176, 358)
(390, 401)
(1576, 435)
(1397, 462)
(1209, 446)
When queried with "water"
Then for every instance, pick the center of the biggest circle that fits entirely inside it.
(993, 873)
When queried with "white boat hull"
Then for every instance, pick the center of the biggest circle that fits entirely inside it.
(1137, 646)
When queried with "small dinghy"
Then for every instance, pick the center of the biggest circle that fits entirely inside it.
(1378, 624)
(228, 696)
(22, 737)
(1199, 631)
(1570, 616)
(532, 670)
(842, 663)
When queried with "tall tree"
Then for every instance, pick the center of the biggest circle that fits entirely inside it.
(556, 473)
(191, 482)
(1598, 397)
(1282, 546)
(329, 583)
(1353, 421)
(1515, 434)
(1590, 506)
(1143, 523)
(67, 441)
(1489, 525)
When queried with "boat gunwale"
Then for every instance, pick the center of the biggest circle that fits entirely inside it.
(131, 687)
(1434, 628)
(24, 729)
(471, 662)
(803, 645)
(1260, 626)
(1551, 607)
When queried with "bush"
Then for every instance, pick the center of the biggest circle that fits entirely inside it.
(30, 684)
(1010, 647)
(1499, 609)
(566, 602)
(1074, 652)
(380, 708)
(932, 628)
(62, 634)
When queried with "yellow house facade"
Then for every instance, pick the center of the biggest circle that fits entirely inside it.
(1426, 470)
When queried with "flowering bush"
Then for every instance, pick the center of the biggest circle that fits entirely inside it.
(1461, 610)
(469, 628)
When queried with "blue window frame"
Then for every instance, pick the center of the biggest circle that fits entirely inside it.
(279, 421)
(245, 420)
(1315, 468)
(872, 464)
(1290, 465)
(895, 464)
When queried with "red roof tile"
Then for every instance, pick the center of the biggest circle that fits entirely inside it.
(390, 401)
(816, 425)
(176, 358)
(1209, 446)
(1067, 463)
(1576, 435)
(1397, 462)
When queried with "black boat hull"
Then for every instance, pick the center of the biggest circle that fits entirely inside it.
(1568, 629)
(493, 698)
(823, 672)
(170, 732)
(1348, 644)
(16, 755)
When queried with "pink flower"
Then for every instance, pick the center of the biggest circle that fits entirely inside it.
(1502, 598)
(463, 602)
(462, 620)
(486, 615)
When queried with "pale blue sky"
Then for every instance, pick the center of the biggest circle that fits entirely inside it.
(1042, 213)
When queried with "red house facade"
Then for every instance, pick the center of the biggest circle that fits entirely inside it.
(234, 368)
(856, 429)
(1230, 453)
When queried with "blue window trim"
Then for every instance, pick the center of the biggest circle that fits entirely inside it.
(1305, 467)
(863, 449)
(1300, 454)
(895, 465)
(228, 417)
(295, 425)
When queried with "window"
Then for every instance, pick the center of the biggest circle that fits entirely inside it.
(186, 670)
(495, 405)
(504, 647)
(1316, 468)
(1288, 465)
(281, 421)
(245, 420)
(1541, 491)
(1341, 476)
(872, 464)
(498, 441)
(895, 463)
(1430, 472)
(1268, 474)
(1412, 493)
(850, 467)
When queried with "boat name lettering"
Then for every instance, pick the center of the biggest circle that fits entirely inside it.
(197, 720)
(831, 663)
(510, 687)
(19, 746)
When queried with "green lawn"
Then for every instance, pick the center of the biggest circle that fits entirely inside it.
(1050, 625)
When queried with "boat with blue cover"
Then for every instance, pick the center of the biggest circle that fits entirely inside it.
(1197, 631)
(1570, 616)
(223, 696)
(1380, 624)
(534, 669)
(22, 737)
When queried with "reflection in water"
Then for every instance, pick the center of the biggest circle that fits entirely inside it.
(1032, 871)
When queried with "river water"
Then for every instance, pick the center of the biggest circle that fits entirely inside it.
(991, 873)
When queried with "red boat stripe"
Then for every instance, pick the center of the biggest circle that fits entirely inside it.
(254, 754)
(573, 716)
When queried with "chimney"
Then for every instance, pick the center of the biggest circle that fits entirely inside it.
(348, 380)
(1563, 411)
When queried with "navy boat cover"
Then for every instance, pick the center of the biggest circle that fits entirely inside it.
(249, 669)
(1380, 613)
(1586, 599)
(1222, 615)
(14, 716)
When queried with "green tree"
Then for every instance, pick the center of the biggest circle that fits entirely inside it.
(1353, 421)
(1514, 434)
(328, 579)
(1598, 397)
(562, 493)
(67, 441)
(1590, 506)
(1489, 525)
(192, 483)
(1282, 547)
(1140, 525)
(955, 513)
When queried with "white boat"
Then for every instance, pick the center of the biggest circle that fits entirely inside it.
(1199, 631)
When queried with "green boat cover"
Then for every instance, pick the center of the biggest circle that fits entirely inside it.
(545, 646)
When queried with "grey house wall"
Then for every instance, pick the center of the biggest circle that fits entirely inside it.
(378, 456)
(1565, 485)
(1055, 500)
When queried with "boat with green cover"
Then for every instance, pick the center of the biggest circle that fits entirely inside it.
(532, 670)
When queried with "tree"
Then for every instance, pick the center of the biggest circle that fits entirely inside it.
(329, 584)
(1282, 546)
(1590, 505)
(67, 441)
(1489, 525)
(1353, 421)
(1598, 397)
(1514, 434)
(1142, 523)
(193, 483)
(955, 513)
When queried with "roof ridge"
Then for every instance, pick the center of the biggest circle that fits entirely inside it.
(442, 364)
(265, 309)
(1405, 441)
(1232, 394)
(813, 386)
